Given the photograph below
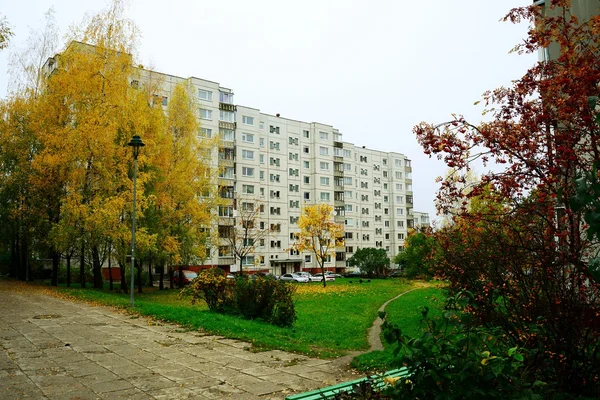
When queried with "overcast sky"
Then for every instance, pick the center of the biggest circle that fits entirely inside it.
(371, 69)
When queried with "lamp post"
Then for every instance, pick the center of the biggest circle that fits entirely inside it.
(136, 143)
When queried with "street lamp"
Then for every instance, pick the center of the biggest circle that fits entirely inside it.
(136, 143)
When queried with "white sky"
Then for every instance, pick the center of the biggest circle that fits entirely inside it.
(372, 69)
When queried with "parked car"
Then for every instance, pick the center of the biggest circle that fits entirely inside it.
(293, 278)
(334, 274)
(397, 274)
(328, 277)
(187, 277)
(311, 277)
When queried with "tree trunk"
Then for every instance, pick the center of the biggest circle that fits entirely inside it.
(82, 264)
(171, 277)
(123, 280)
(180, 276)
(150, 280)
(97, 267)
(138, 267)
(69, 270)
(14, 253)
(161, 284)
(110, 277)
(55, 263)
(323, 273)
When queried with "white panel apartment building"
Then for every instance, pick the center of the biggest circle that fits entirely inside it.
(286, 164)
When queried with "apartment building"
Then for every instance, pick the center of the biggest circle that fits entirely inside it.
(285, 164)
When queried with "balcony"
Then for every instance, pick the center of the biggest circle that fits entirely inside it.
(227, 125)
(226, 260)
(226, 221)
(338, 203)
(338, 173)
(339, 219)
(226, 162)
(227, 107)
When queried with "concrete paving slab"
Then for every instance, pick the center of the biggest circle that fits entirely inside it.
(49, 345)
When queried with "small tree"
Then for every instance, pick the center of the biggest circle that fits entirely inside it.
(246, 232)
(370, 260)
(418, 257)
(319, 234)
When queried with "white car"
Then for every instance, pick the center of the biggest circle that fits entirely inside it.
(294, 277)
(319, 277)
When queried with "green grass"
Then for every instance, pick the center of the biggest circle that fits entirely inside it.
(330, 322)
(405, 312)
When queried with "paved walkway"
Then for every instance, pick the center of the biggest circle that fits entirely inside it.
(56, 349)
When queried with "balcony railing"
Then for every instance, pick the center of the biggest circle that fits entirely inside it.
(227, 107)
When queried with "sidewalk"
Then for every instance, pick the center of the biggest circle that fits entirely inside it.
(55, 349)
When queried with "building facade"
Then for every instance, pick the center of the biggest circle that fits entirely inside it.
(285, 165)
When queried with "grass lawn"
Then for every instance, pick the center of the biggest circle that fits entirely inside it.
(405, 312)
(331, 321)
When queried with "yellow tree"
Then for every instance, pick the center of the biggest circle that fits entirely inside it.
(183, 189)
(319, 233)
(88, 113)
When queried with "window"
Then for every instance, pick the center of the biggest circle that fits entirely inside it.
(324, 166)
(274, 161)
(386, 224)
(398, 186)
(247, 155)
(262, 191)
(227, 173)
(399, 199)
(306, 134)
(349, 249)
(228, 134)
(349, 222)
(247, 171)
(400, 224)
(347, 181)
(306, 195)
(294, 157)
(262, 175)
(305, 150)
(206, 114)
(261, 125)
(387, 236)
(262, 158)
(274, 177)
(204, 95)
(398, 175)
(398, 163)
(293, 171)
(293, 140)
(346, 167)
(407, 163)
(248, 189)
(324, 151)
(324, 135)
(385, 174)
(226, 116)
(347, 153)
(294, 204)
(246, 120)
(261, 142)
(307, 179)
(401, 236)
(164, 101)
(274, 145)
(247, 137)
(409, 175)
(324, 181)
(348, 207)
(273, 129)
(385, 186)
(348, 235)
(206, 132)
(247, 206)
(275, 210)
(409, 187)
(294, 188)
(400, 211)
(325, 196)
(306, 164)
(225, 97)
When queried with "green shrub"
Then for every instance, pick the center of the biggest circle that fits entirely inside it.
(451, 359)
(262, 298)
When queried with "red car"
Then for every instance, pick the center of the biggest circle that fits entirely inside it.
(187, 277)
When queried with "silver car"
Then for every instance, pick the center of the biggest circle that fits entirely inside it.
(293, 278)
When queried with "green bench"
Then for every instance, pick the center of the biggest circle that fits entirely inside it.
(378, 382)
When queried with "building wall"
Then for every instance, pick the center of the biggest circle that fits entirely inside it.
(287, 164)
